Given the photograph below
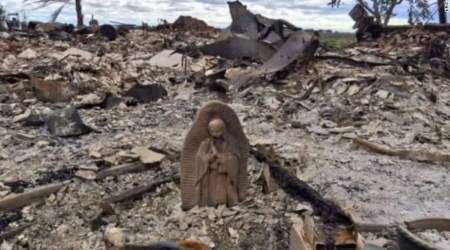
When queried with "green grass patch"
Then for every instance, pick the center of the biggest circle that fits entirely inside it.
(336, 41)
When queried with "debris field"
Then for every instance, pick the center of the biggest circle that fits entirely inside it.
(100, 126)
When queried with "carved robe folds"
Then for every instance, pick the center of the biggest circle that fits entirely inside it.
(214, 159)
(217, 174)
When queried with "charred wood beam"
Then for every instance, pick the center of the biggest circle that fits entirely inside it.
(353, 62)
(329, 211)
(133, 167)
(17, 201)
(139, 191)
(301, 191)
(13, 232)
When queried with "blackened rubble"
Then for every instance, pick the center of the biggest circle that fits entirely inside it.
(306, 112)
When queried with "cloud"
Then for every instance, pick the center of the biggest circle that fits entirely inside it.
(315, 14)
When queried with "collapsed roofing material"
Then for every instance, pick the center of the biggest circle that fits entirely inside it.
(301, 47)
(256, 26)
(239, 47)
(278, 43)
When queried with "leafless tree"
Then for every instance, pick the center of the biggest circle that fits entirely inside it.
(442, 11)
(45, 3)
(382, 10)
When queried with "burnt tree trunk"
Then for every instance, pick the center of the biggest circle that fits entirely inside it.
(442, 12)
(79, 13)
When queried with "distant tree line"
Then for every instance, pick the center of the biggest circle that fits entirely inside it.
(419, 10)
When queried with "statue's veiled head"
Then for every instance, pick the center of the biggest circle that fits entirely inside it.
(216, 128)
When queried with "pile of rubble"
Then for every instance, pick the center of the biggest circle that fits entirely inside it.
(92, 129)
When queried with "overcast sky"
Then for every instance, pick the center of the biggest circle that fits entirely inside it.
(304, 13)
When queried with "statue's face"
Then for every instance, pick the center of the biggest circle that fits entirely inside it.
(216, 128)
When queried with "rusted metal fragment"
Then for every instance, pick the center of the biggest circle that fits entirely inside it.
(239, 47)
(302, 235)
(345, 237)
(300, 47)
(52, 90)
(307, 235)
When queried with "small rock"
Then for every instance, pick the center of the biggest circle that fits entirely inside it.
(75, 52)
(28, 54)
(94, 151)
(42, 144)
(233, 233)
(66, 123)
(147, 156)
(33, 117)
(383, 94)
(6, 246)
(88, 101)
(115, 236)
(167, 59)
(86, 174)
(147, 93)
(62, 230)
(91, 167)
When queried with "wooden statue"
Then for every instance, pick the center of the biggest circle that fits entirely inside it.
(214, 159)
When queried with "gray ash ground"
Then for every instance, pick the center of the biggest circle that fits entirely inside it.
(312, 137)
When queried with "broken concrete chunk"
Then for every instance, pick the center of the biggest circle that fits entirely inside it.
(33, 117)
(168, 59)
(67, 123)
(86, 174)
(147, 93)
(88, 101)
(85, 55)
(28, 54)
(115, 236)
(147, 156)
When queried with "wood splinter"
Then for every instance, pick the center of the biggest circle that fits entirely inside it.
(16, 201)
(420, 156)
